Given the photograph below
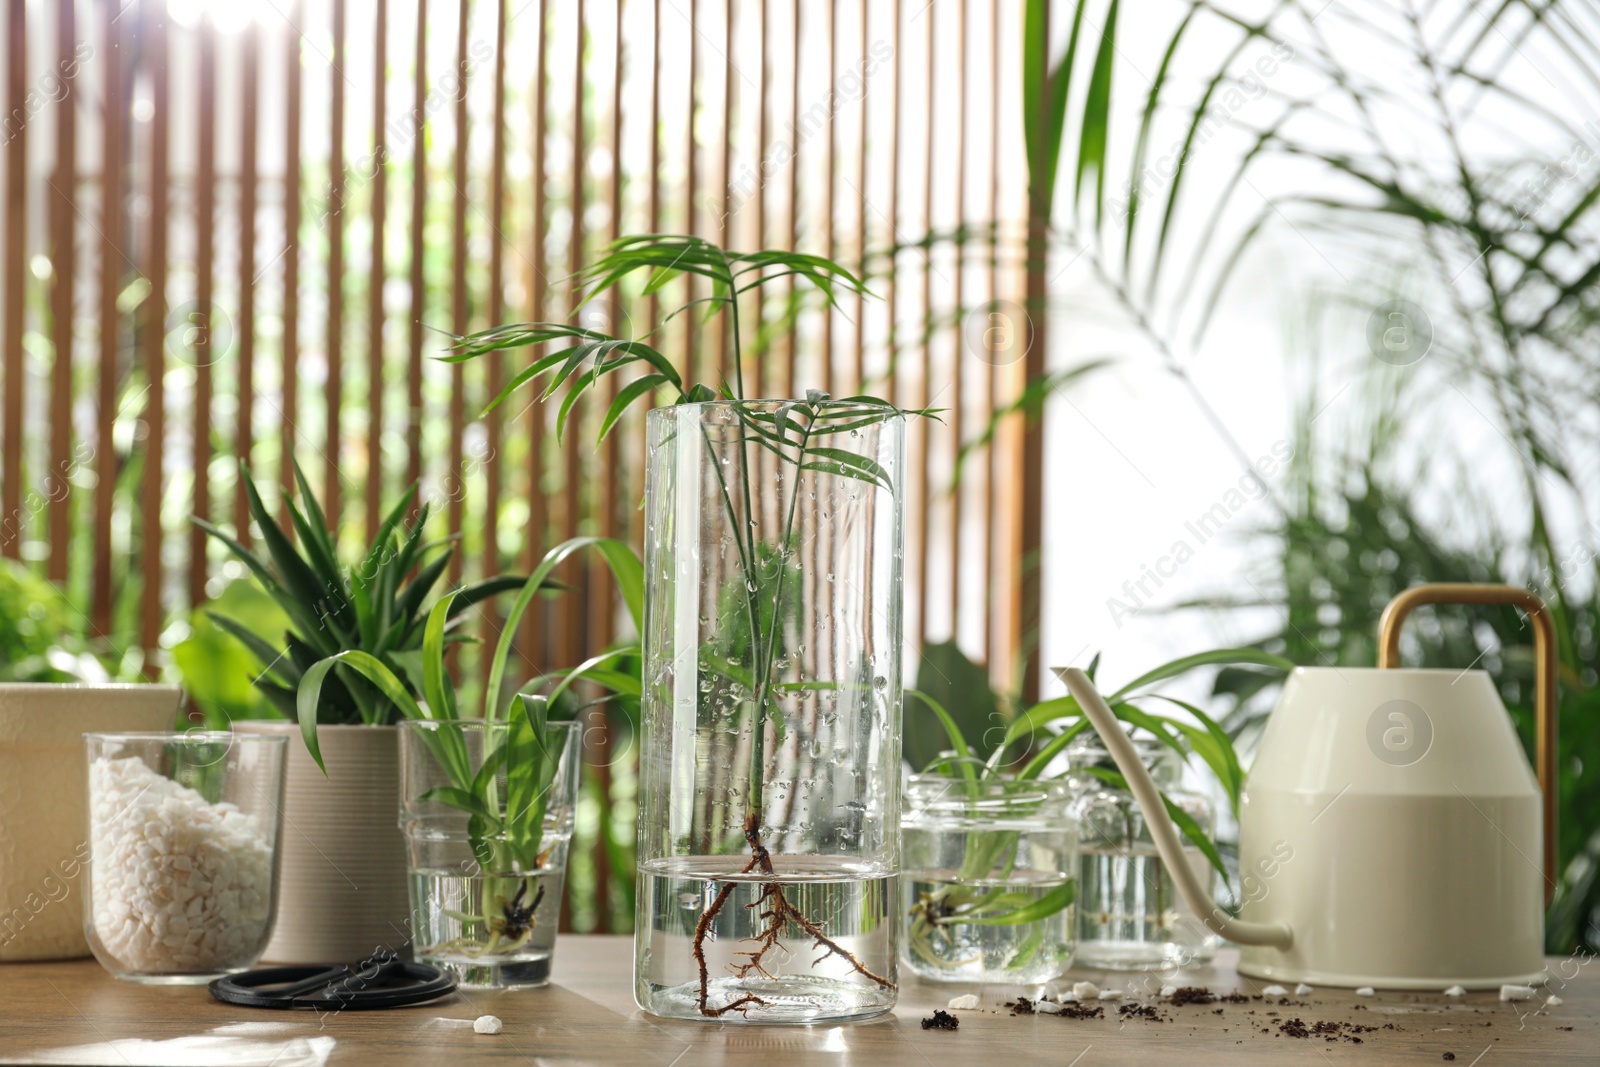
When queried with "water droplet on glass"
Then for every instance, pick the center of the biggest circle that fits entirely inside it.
(880, 682)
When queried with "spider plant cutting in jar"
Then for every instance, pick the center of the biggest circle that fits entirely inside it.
(771, 639)
(486, 802)
(1009, 861)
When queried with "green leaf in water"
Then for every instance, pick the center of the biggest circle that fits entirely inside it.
(1058, 899)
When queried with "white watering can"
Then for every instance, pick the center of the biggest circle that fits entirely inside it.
(1390, 827)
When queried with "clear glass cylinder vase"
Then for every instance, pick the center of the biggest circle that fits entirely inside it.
(1130, 915)
(768, 827)
(991, 871)
(487, 815)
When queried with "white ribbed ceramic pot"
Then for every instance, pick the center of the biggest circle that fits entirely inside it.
(43, 803)
(342, 893)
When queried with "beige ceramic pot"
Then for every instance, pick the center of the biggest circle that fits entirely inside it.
(43, 798)
(343, 889)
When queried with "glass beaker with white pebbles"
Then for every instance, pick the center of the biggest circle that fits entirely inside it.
(182, 881)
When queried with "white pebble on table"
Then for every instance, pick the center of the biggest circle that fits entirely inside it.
(1516, 992)
(486, 1024)
(966, 1000)
(1302, 989)
(1553, 1001)
(1456, 991)
(1085, 990)
(1366, 991)
(1274, 991)
(1110, 994)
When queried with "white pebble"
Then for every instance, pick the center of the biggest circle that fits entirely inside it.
(1366, 991)
(1085, 990)
(1048, 1007)
(1168, 990)
(1456, 991)
(966, 1000)
(1302, 989)
(1110, 994)
(1516, 992)
(1274, 991)
(486, 1024)
(178, 883)
(1553, 1001)
(1068, 998)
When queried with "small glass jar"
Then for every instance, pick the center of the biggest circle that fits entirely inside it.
(182, 882)
(989, 879)
(1130, 915)
(485, 899)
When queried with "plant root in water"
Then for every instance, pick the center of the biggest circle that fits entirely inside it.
(776, 912)
(508, 931)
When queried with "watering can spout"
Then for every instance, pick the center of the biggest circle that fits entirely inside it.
(1162, 831)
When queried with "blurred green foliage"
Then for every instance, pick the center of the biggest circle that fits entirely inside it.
(218, 671)
(45, 638)
(33, 617)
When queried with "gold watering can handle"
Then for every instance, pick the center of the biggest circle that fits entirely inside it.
(1544, 699)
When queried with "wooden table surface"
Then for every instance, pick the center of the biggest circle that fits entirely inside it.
(76, 1013)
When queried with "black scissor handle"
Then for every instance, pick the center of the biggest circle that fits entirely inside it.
(381, 981)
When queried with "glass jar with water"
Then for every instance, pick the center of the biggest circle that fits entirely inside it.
(990, 879)
(770, 741)
(487, 866)
(1130, 916)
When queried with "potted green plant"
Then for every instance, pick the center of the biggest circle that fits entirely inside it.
(487, 800)
(343, 883)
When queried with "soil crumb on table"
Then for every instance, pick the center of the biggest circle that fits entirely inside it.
(1327, 1029)
(1141, 1011)
(941, 1020)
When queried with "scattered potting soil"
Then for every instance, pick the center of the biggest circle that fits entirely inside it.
(1327, 1029)
(941, 1020)
(1141, 1011)
(1081, 1011)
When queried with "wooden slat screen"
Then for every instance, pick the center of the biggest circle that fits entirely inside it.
(234, 228)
